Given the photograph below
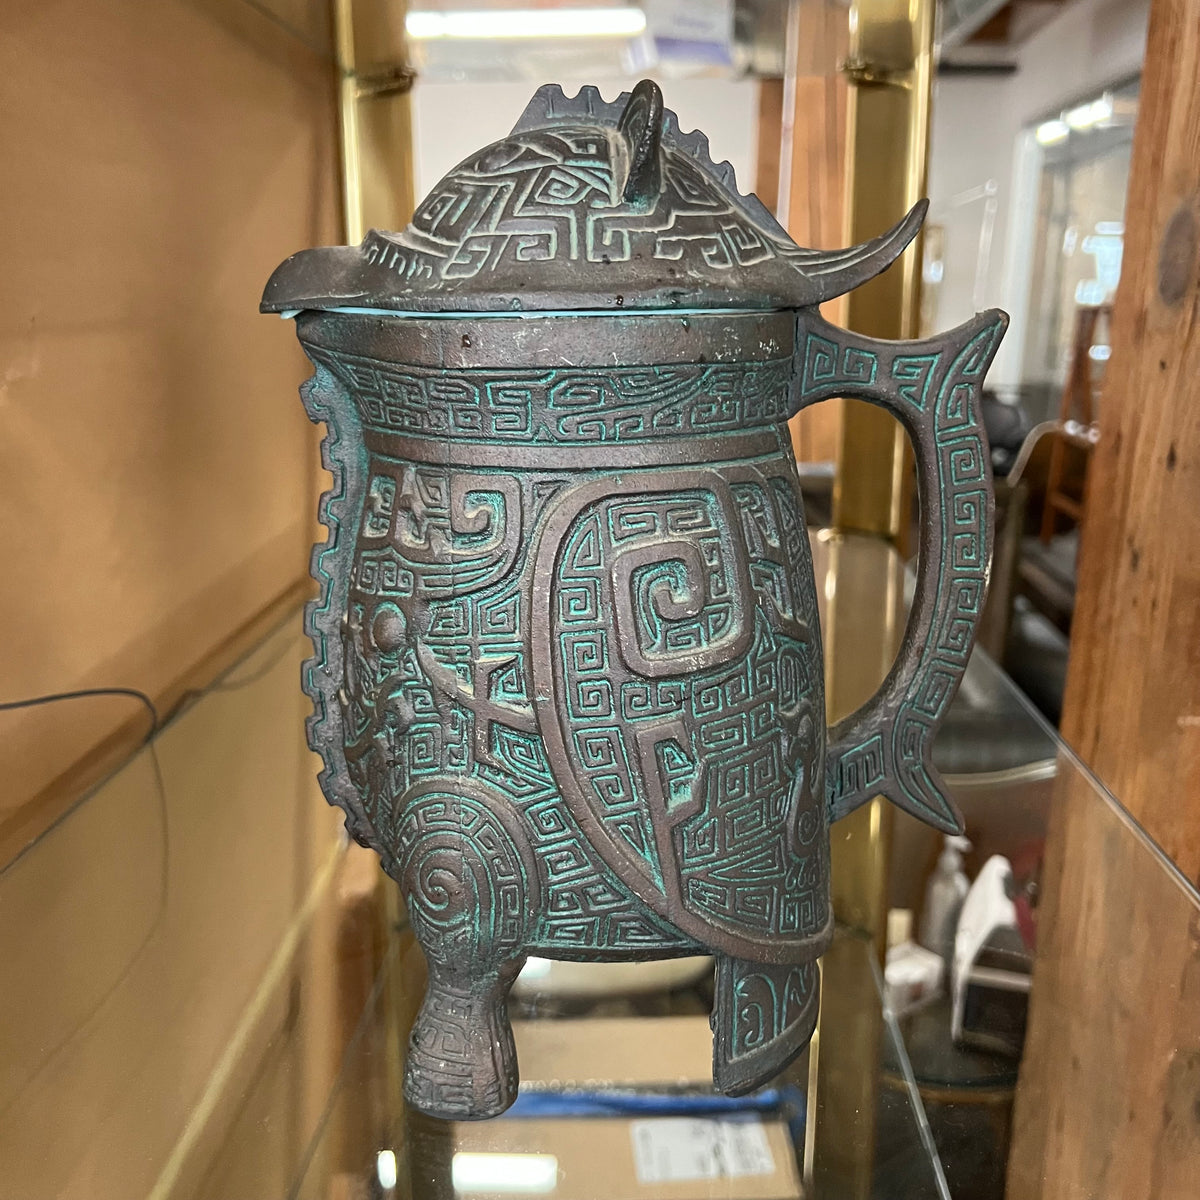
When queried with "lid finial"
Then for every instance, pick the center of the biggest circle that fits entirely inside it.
(641, 126)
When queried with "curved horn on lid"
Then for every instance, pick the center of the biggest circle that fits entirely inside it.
(833, 273)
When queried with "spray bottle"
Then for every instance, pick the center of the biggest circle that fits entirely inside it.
(944, 896)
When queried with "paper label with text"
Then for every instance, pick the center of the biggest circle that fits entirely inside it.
(674, 1149)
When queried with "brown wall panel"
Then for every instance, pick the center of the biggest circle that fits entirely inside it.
(159, 479)
(147, 981)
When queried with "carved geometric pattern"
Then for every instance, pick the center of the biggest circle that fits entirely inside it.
(456, 1064)
(608, 204)
(461, 1061)
(678, 669)
(580, 711)
(860, 769)
(768, 1002)
(466, 867)
(436, 671)
(772, 1012)
(934, 389)
(543, 200)
(344, 455)
(568, 673)
(439, 680)
(567, 406)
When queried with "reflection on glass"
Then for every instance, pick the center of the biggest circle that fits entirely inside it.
(518, 1174)
(1079, 232)
(385, 1169)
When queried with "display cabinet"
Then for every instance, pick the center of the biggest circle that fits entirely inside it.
(219, 1006)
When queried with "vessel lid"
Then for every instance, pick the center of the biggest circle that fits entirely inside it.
(585, 205)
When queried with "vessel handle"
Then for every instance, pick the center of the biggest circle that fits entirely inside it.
(934, 389)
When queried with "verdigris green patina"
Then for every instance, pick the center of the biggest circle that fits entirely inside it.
(568, 670)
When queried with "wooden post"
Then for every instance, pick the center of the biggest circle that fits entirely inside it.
(770, 141)
(1132, 707)
(809, 108)
(1109, 1100)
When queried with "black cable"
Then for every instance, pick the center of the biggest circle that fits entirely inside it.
(156, 725)
(85, 693)
(160, 795)
(258, 673)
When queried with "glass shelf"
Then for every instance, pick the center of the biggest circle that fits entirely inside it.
(207, 992)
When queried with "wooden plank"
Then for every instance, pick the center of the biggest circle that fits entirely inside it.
(816, 184)
(1107, 1104)
(160, 984)
(769, 142)
(40, 810)
(1107, 1100)
(1132, 708)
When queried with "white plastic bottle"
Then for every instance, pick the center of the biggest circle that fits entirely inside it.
(944, 896)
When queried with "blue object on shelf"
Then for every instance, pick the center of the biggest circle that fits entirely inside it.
(787, 1102)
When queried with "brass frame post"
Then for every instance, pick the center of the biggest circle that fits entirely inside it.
(889, 69)
(375, 115)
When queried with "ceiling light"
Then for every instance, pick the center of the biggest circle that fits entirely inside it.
(1087, 115)
(1049, 132)
(625, 21)
(1080, 117)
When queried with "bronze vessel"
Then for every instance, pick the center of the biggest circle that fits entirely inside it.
(568, 669)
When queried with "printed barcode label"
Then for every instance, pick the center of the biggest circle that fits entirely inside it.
(675, 1149)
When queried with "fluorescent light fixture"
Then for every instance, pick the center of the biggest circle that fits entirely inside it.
(1079, 118)
(520, 1174)
(1100, 353)
(624, 21)
(385, 1169)
(1110, 228)
(1087, 115)
(1049, 132)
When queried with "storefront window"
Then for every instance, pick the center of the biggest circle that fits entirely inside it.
(1080, 227)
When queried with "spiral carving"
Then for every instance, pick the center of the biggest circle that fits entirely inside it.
(467, 873)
